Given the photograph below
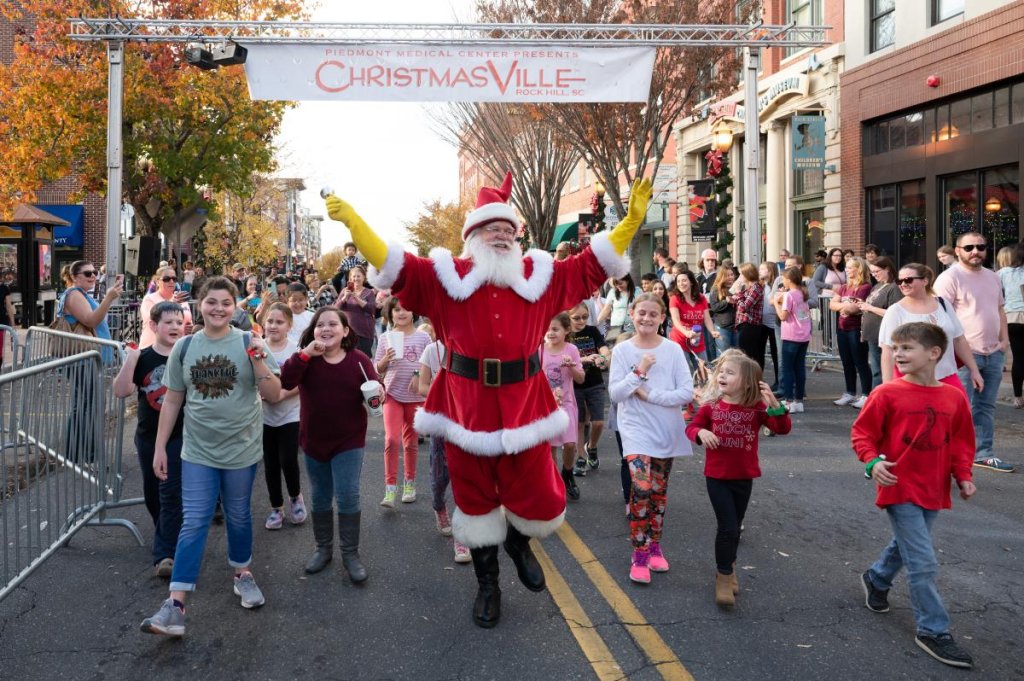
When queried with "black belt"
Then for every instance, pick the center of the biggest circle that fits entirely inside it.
(493, 372)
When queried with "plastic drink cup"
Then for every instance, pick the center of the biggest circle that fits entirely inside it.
(396, 340)
(372, 397)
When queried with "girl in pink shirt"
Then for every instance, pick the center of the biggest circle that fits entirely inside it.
(402, 396)
(736, 404)
(795, 315)
(563, 367)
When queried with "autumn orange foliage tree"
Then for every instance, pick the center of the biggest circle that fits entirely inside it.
(188, 133)
(440, 224)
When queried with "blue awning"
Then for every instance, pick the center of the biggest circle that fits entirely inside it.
(72, 235)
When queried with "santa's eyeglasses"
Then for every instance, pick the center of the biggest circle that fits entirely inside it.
(504, 231)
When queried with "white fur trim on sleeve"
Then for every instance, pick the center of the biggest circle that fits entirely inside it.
(493, 443)
(476, 531)
(540, 278)
(388, 274)
(614, 264)
(535, 528)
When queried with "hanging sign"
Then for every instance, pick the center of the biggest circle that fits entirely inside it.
(808, 142)
(448, 73)
(702, 209)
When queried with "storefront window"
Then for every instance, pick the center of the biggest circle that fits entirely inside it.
(986, 201)
(1017, 103)
(813, 223)
(981, 112)
(882, 217)
(913, 225)
(1002, 107)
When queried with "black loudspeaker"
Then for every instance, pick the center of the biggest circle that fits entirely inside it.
(141, 255)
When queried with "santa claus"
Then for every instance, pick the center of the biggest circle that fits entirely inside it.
(490, 402)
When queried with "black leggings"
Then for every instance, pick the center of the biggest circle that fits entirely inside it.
(281, 455)
(750, 339)
(1017, 348)
(729, 498)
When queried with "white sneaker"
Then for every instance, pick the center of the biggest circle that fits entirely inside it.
(796, 407)
(859, 402)
(846, 399)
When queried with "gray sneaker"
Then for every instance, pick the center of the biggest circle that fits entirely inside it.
(245, 586)
(168, 620)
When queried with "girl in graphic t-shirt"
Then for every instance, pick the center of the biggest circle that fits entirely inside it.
(402, 399)
(736, 404)
(222, 379)
(563, 367)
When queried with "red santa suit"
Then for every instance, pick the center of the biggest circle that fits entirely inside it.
(499, 460)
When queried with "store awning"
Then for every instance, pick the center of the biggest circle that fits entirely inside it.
(564, 232)
(73, 234)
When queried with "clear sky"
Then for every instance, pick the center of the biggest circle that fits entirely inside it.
(384, 158)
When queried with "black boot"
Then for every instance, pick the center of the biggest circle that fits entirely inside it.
(323, 532)
(348, 533)
(517, 546)
(572, 490)
(487, 607)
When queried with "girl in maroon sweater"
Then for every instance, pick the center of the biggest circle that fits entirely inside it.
(736, 404)
(329, 372)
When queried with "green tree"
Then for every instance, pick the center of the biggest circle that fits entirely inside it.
(187, 132)
(440, 224)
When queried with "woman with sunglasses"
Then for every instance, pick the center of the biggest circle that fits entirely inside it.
(79, 307)
(166, 284)
(920, 304)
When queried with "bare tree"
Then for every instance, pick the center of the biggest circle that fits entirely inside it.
(503, 137)
(622, 142)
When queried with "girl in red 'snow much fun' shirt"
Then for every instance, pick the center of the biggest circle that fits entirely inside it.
(737, 403)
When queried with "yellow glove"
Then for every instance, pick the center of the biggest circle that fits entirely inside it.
(623, 233)
(366, 240)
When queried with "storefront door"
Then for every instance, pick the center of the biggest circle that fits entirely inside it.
(985, 201)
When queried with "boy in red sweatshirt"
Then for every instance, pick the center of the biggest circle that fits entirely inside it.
(912, 435)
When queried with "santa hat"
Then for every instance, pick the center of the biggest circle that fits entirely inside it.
(491, 206)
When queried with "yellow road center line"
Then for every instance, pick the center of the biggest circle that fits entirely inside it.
(654, 647)
(590, 642)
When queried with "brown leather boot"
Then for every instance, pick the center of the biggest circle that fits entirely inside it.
(735, 582)
(723, 591)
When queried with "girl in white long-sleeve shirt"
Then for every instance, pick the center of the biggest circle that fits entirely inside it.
(651, 383)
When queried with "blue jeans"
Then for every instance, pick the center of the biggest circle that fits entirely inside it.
(438, 472)
(875, 362)
(200, 487)
(710, 346)
(726, 339)
(854, 354)
(794, 369)
(911, 546)
(336, 480)
(163, 497)
(983, 404)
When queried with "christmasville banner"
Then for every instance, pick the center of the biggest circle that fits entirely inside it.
(445, 73)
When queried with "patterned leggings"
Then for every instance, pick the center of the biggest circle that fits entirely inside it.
(647, 498)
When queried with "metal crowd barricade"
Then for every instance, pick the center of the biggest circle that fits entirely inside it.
(55, 474)
(43, 345)
(823, 346)
(8, 349)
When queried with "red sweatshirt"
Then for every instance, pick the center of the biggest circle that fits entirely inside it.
(735, 457)
(927, 431)
(332, 418)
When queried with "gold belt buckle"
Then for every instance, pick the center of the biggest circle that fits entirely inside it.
(496, 363)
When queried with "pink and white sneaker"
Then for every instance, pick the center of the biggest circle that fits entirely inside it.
(639, 570)
(657, 562)
(462, 554)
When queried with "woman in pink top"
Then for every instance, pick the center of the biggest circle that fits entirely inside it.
(690, 314)
(795, 315)
(563, 367)
(166, 281)
(401, 387)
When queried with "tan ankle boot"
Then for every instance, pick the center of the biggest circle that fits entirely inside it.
(734, 581)
(723, 591)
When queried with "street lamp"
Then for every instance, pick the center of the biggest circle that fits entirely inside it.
(721, 137)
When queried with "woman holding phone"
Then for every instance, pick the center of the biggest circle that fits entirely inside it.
(359, 303)
(166, 282)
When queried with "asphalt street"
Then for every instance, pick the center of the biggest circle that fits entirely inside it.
(811, 530)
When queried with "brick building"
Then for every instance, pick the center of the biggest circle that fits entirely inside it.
(800, 207)
(933, 124)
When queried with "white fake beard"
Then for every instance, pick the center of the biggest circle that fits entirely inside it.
(497, 267)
